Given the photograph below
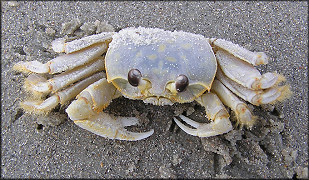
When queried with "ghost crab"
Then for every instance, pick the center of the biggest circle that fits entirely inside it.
(157, 66)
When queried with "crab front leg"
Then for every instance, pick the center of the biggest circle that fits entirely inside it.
(243, 114)
(215, 111)
(86, 112)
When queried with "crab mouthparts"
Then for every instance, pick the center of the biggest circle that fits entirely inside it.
(158, 100)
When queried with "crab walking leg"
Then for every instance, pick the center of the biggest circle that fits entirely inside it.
(244, 73)
(255, 97)
(62, 80)
(64, 62)
(243, 114)
(60, 97)
(216, 111)
(254, 58)
(39, 81)
(86, 112)
(59, 45)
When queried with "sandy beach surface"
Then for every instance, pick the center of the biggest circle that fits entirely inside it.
(54, 147)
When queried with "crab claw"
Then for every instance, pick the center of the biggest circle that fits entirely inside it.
(86, 112)
(215, 111)
(220, 126)
(112, 127)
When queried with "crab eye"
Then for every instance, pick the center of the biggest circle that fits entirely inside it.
(134, 76)
(181, 83)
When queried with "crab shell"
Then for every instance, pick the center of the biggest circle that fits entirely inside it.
(161, 56)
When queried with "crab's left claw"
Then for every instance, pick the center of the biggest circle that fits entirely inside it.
(215, 111)
(112, 127)
(86, 112)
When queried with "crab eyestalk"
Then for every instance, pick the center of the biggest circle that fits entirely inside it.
(172, 88)
(180, 84)
(144, 86)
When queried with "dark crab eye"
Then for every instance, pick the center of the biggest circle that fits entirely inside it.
(134, 76)
(181, 83)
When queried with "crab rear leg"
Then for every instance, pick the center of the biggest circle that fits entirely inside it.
(79, 52)
(59, 45)
(256, 97)
(86, 112)
(245, 73)
(40, 106)
(36, 84)
(216, 111)
(254, 58)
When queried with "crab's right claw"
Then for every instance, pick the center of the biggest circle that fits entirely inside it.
(86, 112)
(215, 111)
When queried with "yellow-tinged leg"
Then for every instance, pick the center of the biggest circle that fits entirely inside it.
(244, 73)
(255, 97)
(254, 58)
(243, 114)
(216, 111)
(86, 112)
(45, 106)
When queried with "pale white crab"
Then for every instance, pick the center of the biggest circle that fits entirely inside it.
(156, 66)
